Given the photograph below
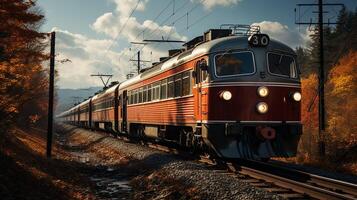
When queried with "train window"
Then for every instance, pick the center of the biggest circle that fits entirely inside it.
(170, 87)
(140, 95)
(129, 97)
(282, 65)
(186, 87)
(154, 93)
(157, 90)
(233, 64)
(132, 97)
(149, 92)
(178, 85)
(135, 96)
(163, 89)
(145, 92)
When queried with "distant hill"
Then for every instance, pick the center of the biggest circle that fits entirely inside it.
(68, 97)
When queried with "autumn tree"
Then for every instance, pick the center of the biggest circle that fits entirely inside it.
(340, 47)
(22, 77)
(341, 103)
(309, 116)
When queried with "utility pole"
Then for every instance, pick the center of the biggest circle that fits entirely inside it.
(50, 96)
(321, 90)
(139, 61)
(105, 83)
(321, 84)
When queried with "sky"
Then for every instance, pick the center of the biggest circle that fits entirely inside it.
(96, 35)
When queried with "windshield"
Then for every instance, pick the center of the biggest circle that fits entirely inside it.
(233, 64)
(282, 65)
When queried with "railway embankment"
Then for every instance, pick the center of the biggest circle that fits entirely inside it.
(94, 165)
(25, 172)
(146, 173)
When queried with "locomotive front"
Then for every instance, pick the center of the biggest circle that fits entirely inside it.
(250, 104)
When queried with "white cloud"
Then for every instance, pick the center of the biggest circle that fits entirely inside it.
(209, 4)
(87, 57)
(111, 24)
(283, 33)
(92, 56)
(125, 6)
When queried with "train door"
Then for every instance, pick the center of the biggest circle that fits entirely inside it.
(116, 112)
(79, 115)
(198, 92)
(90, 114)
(124, 111)
(201, 75)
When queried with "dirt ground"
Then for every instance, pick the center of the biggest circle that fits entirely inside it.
(79, 169)
(25, 172)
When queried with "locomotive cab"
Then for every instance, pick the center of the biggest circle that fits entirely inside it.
(251, 96)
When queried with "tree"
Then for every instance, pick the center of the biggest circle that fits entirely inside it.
(23, 80)
(341, 101)
(309, 115)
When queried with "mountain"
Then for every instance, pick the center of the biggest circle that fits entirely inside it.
(68, 97)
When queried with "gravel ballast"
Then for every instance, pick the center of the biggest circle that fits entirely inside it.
(154, 174)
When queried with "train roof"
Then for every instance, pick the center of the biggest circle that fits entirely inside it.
(212, 46)
(84, 102)
(106, 92)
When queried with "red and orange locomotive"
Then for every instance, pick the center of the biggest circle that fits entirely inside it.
(238, 95)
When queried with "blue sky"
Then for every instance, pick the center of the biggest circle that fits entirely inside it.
(87, 28)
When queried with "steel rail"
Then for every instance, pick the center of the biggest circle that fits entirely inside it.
(302, 182)
(303, 188)
(306, 184)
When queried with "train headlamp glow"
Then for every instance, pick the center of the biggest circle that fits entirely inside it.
(262, 107)
(226, 95)
(263, 91)
(297, 96)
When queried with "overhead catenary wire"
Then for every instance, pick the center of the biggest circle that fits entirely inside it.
(122, 28)
(154, 20)
(163, 22)
(176, 20)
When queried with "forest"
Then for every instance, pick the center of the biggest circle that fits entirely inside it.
(340, 64)
(24, 81)
(23, 72)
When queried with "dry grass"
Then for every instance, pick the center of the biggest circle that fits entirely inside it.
(28, 169)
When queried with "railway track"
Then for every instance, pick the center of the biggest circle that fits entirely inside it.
(285, 182)
(297, 184)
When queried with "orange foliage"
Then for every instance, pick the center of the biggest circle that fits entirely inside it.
(341, 114)
(309, 116)
(341, 105)
(23, 80)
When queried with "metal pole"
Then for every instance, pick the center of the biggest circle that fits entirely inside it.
(138, 62)
(50, 96)
(321, 84)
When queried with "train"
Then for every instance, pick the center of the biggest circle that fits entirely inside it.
(235, 94)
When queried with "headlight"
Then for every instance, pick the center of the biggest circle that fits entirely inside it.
(297, 96)
(262, 107)
(263, 91)
(226, 95)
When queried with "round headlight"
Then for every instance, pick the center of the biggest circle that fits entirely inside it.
(263, 91)
(262, 107)
(226, 95)
(297, 96)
